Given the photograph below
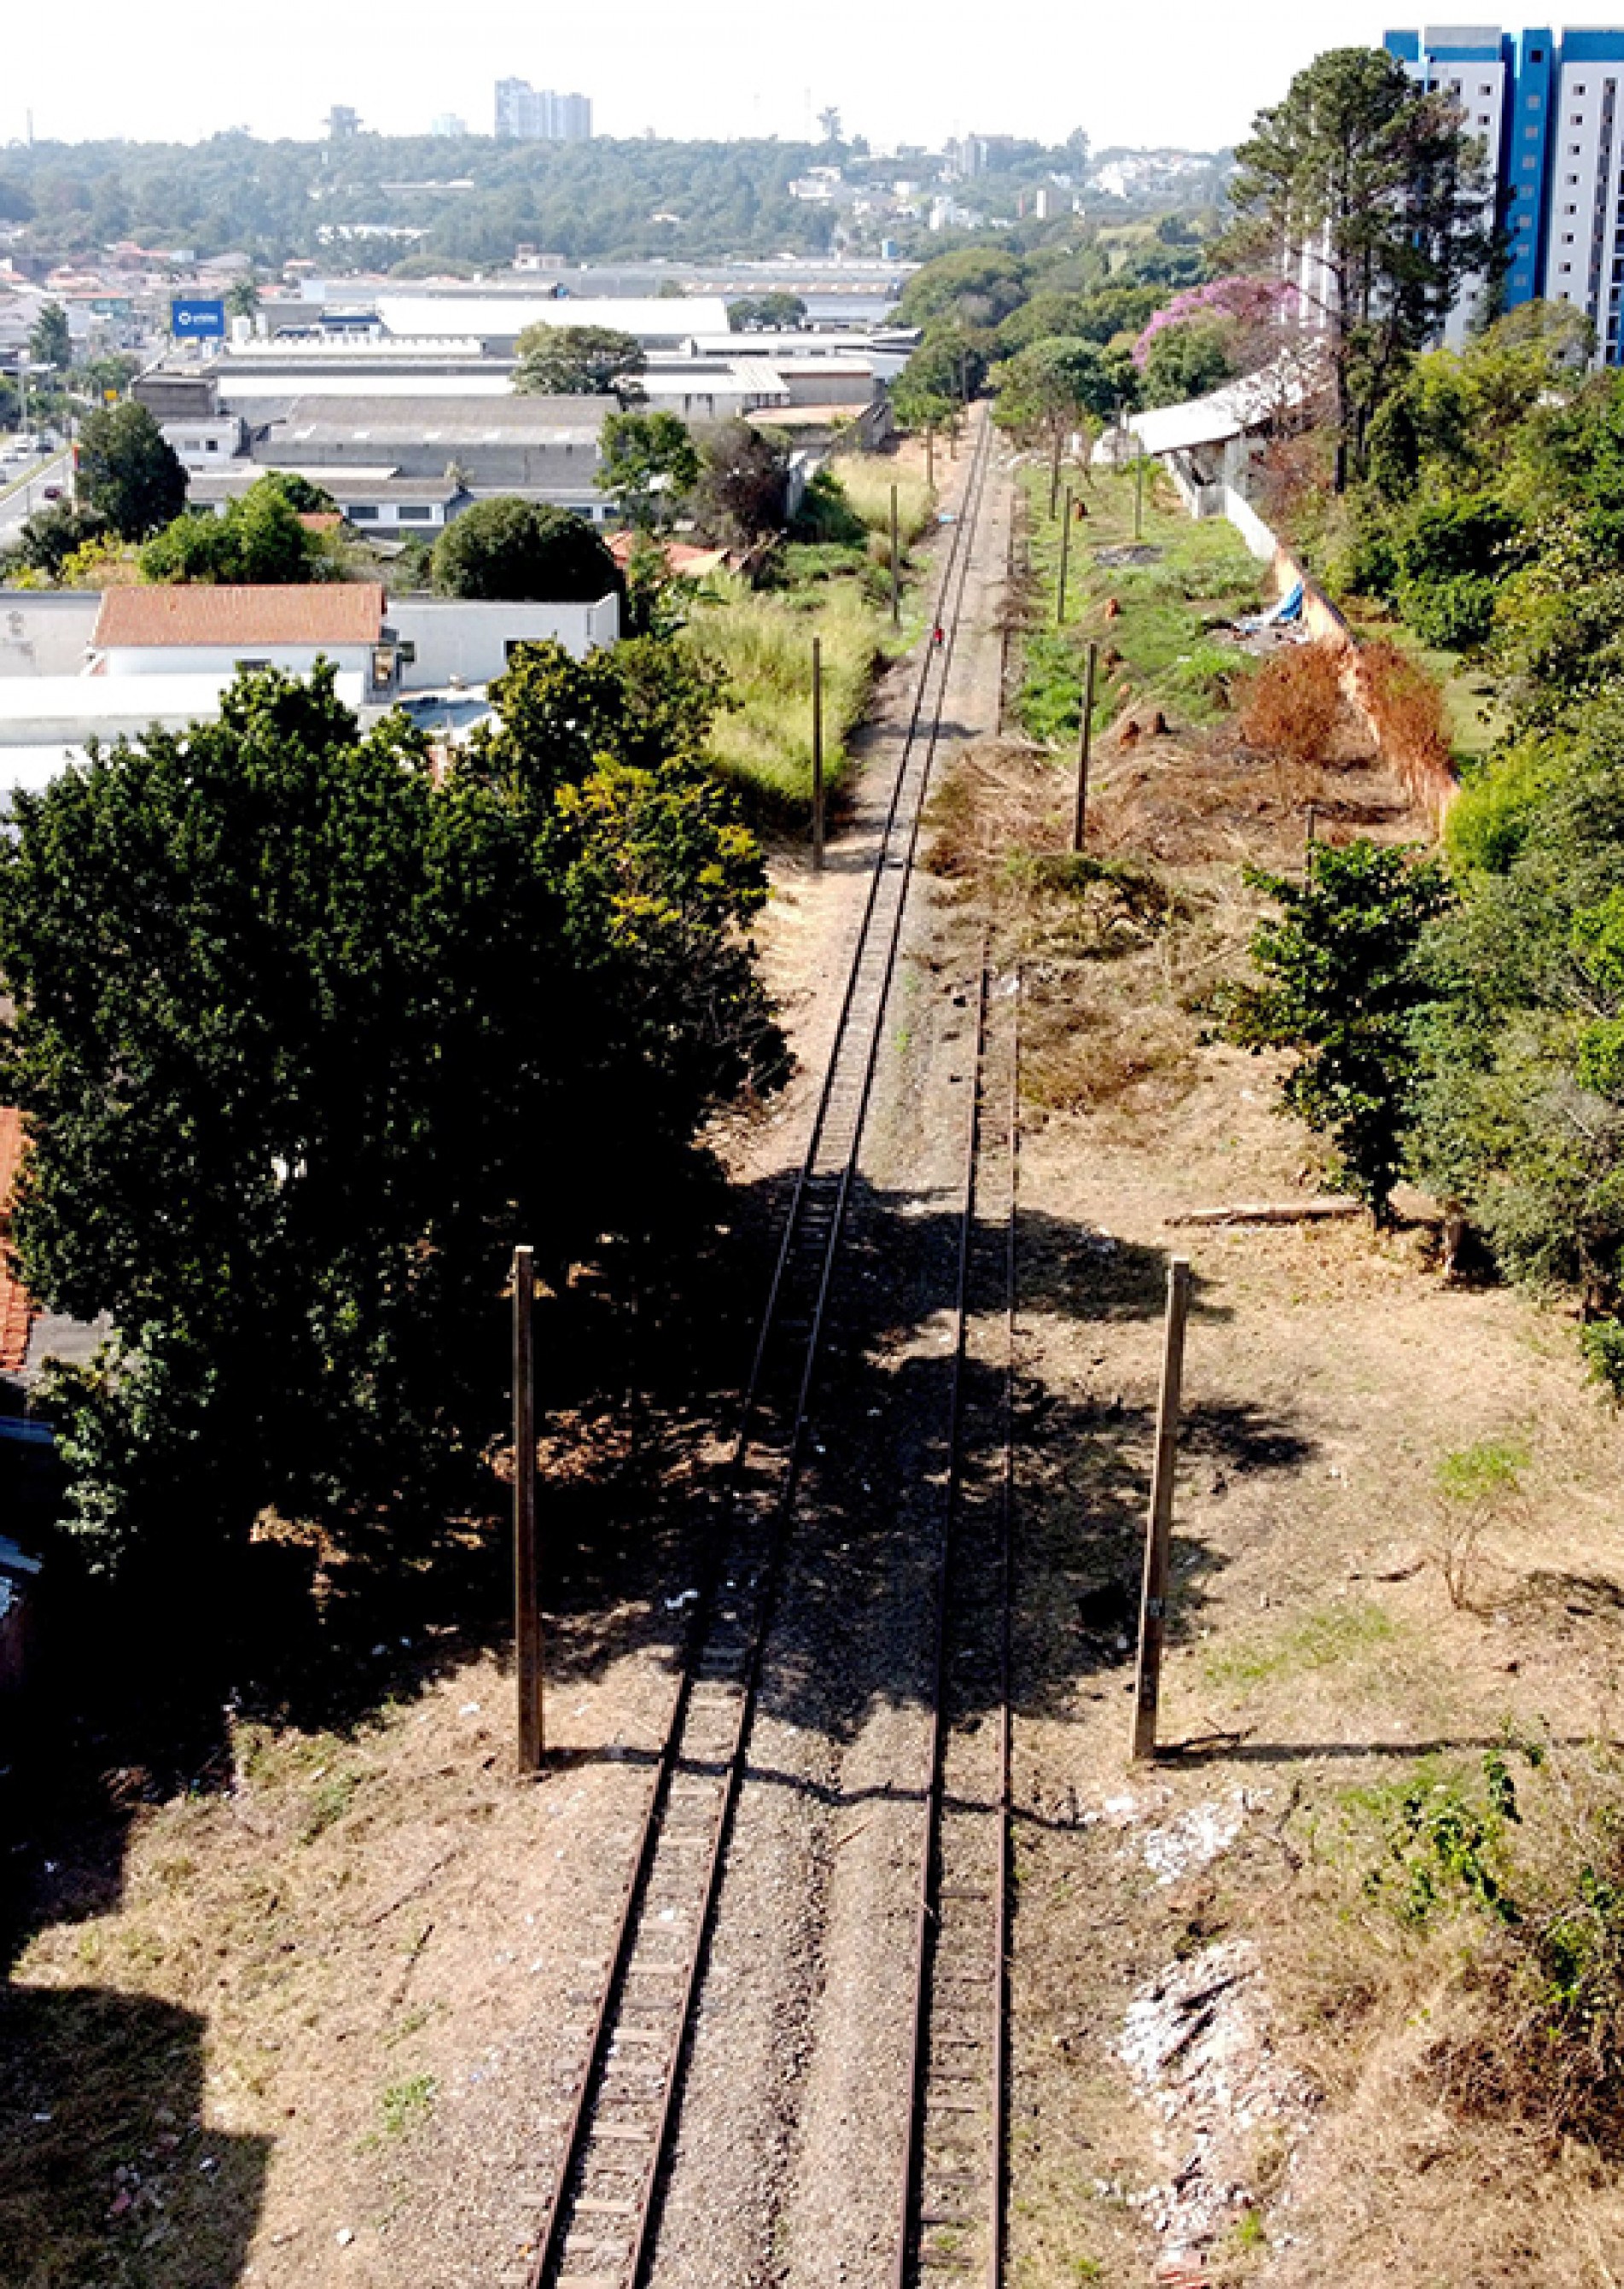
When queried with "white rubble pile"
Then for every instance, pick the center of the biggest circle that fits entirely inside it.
(1196, 2042)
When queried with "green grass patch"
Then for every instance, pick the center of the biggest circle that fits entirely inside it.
(1319, 1640)
(406, 2105)
(764, 643)
(1199, 578)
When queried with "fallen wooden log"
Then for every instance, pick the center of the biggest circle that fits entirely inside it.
(1274, 1212)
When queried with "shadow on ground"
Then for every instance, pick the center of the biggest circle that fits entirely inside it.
(106, 2173)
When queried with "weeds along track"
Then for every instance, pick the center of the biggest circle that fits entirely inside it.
(624, 2107)
(952, 2213)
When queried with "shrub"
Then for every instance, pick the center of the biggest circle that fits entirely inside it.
(1452, 614)
(1342, 985)
(1294, 702)
(1526, 1879)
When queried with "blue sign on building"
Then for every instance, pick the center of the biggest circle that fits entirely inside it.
(197, 321)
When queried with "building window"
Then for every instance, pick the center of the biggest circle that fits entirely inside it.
(1485, 91)
(211, 445)
(1535, 56)
(412, 514)
(362, 514)
(1565, 269)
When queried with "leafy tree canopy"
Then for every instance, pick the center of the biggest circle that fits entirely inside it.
(258, 539)
(308, 1037)
(575, 361)
(51, 343)
(743, 486)
(1378, 196)
(649, 465)
(507, 549)
(773, 313)
(128, 473)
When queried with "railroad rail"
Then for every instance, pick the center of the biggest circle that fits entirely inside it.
(952, 2208)
(598, 2229)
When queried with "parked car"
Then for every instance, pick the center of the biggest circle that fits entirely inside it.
(52, 492)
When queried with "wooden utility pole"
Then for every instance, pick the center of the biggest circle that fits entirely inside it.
(1085, 749)
(1139, 495)
(1055, 477)
(1311, 836)
(1158, 1540)
(817, 754)
(527, 1582)
(930, 456)
(1065, 564)
(897, 567)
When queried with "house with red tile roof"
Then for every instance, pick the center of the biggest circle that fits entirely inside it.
(202, 630)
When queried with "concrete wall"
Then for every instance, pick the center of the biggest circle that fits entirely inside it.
(219, 660)
(471, 641)
(44, 634)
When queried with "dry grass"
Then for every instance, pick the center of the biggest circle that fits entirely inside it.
(1407, 707)
(1294, 707)
(866, 480)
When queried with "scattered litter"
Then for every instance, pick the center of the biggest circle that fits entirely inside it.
(345, 2236)
(469, 1709)
(379, 1652)
(682, 1598)
(1196, 2043)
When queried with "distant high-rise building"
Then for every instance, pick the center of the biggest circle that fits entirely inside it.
(538, 115)
(343, 120)
(1547, 112)
(447, 123)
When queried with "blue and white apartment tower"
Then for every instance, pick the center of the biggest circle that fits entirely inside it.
(1548, 111)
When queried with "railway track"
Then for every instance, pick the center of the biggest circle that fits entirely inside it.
(598, 2232)
(951, 2212)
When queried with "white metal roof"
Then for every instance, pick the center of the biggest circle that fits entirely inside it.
(1228, 412)
(651, 317)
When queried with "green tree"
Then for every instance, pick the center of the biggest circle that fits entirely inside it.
(743, 484)
(243, 298)
(506, 549)
(575, 361)
(1379, 200)
(971, 287)
(649, 465)
(52, 535)
(1056, 387)
(50, 342)
(1186, 362)
(346, 1030)
(258, 539)
(128, 473)
(773, 313)
(1344, 985)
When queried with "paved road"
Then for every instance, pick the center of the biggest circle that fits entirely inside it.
(24, 489)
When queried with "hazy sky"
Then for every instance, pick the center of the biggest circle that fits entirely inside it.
(1190, 72)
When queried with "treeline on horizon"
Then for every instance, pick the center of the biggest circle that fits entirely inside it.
(596, 201)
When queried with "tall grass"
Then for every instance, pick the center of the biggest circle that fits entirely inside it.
(764, 643)
(866, 480)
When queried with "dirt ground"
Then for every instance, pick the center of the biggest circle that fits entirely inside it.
(312, 2020)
